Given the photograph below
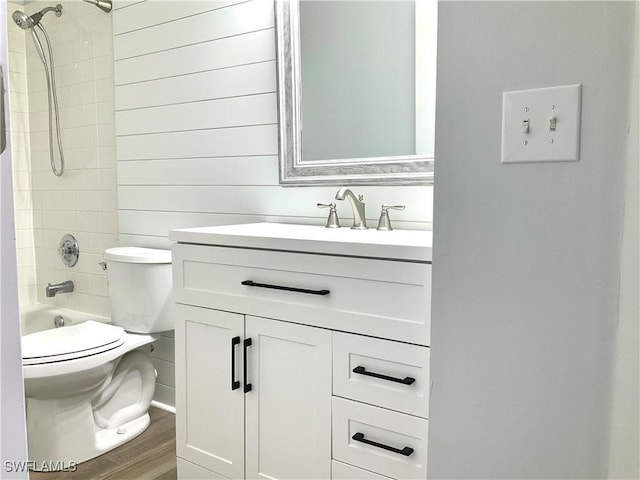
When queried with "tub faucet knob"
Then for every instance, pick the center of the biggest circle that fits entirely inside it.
(332, 221)
(68, 250)
(385, 222)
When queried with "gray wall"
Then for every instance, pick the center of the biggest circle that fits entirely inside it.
(624, 447)
(526, 257)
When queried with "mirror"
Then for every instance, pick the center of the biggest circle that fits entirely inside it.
(356, 91)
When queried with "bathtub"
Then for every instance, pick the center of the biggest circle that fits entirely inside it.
(37, 317)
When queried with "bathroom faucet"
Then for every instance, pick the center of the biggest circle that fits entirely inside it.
(56, 288)
(357, 205)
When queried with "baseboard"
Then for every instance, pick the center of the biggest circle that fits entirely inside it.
(163, 406)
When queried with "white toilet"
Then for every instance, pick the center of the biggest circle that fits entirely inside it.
(88, 387)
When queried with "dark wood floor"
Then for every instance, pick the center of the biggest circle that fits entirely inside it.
(150, 456)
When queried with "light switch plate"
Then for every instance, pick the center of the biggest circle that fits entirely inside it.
(541, 125)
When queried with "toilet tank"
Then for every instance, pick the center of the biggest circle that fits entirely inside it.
(140, 288)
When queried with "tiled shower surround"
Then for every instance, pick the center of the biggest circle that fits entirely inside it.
(83, 201)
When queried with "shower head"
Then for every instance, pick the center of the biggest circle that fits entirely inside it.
(104, 5)
(23, 20)
(26, 22)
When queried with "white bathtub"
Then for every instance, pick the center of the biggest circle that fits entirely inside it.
(37, 317)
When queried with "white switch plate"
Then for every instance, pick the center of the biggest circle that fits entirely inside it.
(539, 107)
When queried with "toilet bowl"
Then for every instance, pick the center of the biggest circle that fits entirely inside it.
(89, 386)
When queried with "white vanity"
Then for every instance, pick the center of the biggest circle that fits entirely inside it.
(301, 352)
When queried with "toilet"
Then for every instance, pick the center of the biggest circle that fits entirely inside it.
(88, 387)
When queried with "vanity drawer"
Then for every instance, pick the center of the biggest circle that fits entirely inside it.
(386, 442)
(382, 298)
(381, 372)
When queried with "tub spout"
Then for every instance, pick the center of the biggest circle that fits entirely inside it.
(53, 289)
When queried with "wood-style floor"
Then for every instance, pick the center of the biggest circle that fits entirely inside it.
(150, 456)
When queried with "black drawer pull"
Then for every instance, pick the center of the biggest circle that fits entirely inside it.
(404, 381)
(251, 283)
(247, 386)
(406, 451)
(235, 384)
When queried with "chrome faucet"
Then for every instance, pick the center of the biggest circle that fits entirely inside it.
(357, 205)
(56, 288)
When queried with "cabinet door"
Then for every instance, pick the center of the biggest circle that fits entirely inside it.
(209, 414)
(288, 410)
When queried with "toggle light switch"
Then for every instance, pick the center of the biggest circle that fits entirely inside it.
(550, 132)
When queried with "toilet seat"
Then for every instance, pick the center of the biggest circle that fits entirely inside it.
(70, 343)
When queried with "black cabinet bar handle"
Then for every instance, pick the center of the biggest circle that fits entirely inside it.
(235, 384)
(405, 381)
(406, 451)
(251, 283)
(247, 344)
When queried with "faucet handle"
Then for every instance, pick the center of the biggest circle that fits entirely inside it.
(332, 221)
(385, 222)
(392, 207)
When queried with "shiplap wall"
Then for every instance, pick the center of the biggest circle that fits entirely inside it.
(196, 128)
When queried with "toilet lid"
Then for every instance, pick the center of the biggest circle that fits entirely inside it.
(67, 343)
(137, 255)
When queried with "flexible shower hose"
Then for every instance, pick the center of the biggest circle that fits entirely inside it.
(49, 70)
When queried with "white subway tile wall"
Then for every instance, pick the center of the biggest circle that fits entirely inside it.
(23, 199)
(83, 201)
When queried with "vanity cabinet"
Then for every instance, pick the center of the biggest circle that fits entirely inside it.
(334, 382)
(253, 395)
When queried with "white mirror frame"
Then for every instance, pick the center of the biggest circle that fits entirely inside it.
(396, 170)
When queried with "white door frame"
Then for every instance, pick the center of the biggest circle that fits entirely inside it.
(13, 447)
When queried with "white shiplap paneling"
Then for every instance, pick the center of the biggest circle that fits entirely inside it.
(222, 142)
(265, 200)
(220, 23)
(143, 14)
(120, 4)
(255, 170)
(219, 113)
(227, 52)
(196, 129)
(228, 82)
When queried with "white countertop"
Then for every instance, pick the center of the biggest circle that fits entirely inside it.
(407, 245)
